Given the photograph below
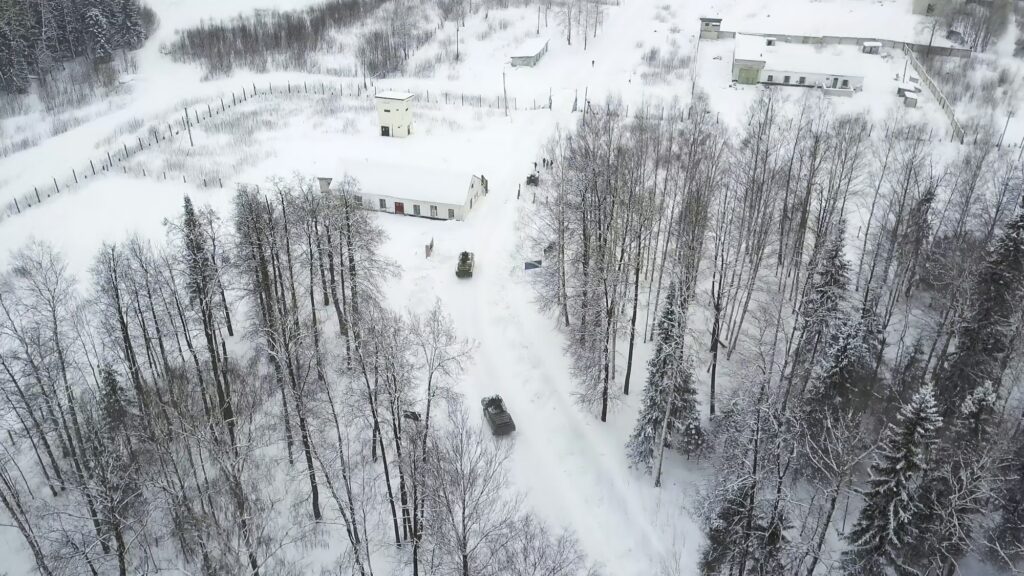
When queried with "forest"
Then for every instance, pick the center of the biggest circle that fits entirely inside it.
(166, 404)
(38, 35)
(846, 296)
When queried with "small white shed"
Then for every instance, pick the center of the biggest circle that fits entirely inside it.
(530, 52)
(871, 47)
(413, 190)
(394, 110)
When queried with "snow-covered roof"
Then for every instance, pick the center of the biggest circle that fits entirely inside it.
(402, 181)
(393, 95)
(529, 48)
(873, 44)
(781, 56)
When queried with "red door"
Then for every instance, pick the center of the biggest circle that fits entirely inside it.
(399, 208)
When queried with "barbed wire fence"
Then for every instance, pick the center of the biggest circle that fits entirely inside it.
(116, 160)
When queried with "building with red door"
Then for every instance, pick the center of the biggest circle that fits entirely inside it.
(410, 190)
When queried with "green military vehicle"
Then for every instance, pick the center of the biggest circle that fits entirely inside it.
(464, 269)
(497, 416)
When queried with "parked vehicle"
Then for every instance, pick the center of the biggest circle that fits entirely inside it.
(498, 418)
(533, 179)
(464, 269)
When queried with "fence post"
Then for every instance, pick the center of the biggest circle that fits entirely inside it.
(93, 166)
(75, 174)
(125, 150)
(37, 194)
(55, 187)
(110, 162)
(17, 206)
(140, 143)
(209, 113)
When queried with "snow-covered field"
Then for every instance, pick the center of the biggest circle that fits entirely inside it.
(571, 467)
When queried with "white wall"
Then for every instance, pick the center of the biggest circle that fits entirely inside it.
(396, 115)
(372, 202)
(778, 76)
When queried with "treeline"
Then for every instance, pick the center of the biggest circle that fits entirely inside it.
(287, 39)
(36, 35)
(874, 371)
(219, 402)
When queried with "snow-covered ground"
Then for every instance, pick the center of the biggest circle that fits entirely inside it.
(571, 467)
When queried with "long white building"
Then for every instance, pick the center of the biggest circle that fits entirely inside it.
(411, 190)
(762, 60)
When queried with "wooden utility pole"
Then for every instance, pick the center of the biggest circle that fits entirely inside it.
(504, 90)
(188, 124)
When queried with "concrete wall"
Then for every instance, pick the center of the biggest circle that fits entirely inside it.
(810, 80)
(373, 202)
(396, 115)
(857, 41)
(477, 190)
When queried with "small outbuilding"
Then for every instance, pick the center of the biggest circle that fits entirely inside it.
(530, 52)
(910, 100)
(412, 190)
(394, 110)
(710, 28)
(903, 89)
(871, 47)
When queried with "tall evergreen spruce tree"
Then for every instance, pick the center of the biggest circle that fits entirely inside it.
(953, 492)
(37, 35)
(669, 390)
(1006, 539)
(885, 525)
(985, 337)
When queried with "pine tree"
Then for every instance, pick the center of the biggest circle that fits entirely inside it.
(1006, 538)
(984, 339)
(13, 61)
(669, 389)
(829, 285)
(954, 493)
(97, 23)
(840, 385)
(113, 411)
(128, 32)
(885, 525)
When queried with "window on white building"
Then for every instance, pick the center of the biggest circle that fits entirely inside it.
(846, 83)
(416, 209)
(771, 78)
(433, 211)
(358, 199)
(383, 204)
(803, 79)
(785, 80)
(451, 214)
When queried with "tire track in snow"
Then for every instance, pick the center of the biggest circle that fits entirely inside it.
(562, 456)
